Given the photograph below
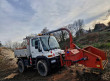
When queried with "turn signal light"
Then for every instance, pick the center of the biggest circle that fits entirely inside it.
(49, 55)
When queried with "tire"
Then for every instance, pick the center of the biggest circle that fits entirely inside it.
(21, 67)
(42, 68)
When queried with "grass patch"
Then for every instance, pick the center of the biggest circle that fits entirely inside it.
(94, 37)
(79, 45)
(102, 45)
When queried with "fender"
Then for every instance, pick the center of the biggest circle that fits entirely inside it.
(22, 59)
(42, 58)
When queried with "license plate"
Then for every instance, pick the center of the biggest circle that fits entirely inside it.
(53, 61)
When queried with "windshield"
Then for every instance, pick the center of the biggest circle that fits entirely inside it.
(53, 44)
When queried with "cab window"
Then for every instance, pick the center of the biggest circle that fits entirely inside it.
(34, 42)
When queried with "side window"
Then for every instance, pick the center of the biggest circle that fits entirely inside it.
(34, 42)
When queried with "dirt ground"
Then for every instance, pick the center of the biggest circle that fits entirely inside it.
(9, 71)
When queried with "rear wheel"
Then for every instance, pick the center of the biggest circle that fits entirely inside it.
(42, 68)
(21, 66)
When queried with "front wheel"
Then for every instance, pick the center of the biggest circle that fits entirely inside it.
(42, 68)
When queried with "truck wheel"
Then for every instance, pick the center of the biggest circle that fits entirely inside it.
(21, 66)
(42, 68)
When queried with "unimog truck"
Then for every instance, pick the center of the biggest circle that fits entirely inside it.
(41, 52)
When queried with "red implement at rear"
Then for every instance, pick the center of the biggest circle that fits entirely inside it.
(89, 56)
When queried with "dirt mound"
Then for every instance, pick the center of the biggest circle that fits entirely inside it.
(7, 59)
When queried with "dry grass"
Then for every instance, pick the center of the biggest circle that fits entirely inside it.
(6, 59)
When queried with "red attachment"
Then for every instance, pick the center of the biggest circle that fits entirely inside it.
(93, 60)
(89, 56)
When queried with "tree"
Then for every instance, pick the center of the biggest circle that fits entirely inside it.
(89, 31)
(8, 44)
(16, 45)
(45, 30)
(108, 13)
(12, 45)
(0, 44)
(78, 27)
(61, 35)
(71, 28)
(24, 43)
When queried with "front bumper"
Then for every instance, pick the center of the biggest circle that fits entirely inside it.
(55, 61)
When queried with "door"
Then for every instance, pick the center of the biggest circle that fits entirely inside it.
(36, 49)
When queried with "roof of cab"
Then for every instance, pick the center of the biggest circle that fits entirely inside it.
(35, 36)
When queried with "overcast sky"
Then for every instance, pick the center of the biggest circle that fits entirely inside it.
(19, 18)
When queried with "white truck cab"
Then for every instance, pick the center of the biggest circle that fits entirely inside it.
(44, 46)
(41, 52)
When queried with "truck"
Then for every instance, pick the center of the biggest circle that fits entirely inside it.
(43, 53)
